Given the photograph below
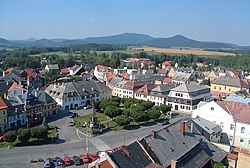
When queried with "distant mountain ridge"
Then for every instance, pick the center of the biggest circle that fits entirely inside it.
(120, 39)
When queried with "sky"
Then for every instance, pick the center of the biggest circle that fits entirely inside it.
(206, 20)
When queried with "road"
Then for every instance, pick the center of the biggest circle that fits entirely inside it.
(71, 143)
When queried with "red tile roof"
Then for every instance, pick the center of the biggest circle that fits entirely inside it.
(29, 71)
(133, 85)
(110, 76)
(167, 63)
(15, 85)
(239, 111)
(2, 104)
(64, 71)
(9, 70)
(145, 90)
(124, 75)
(167, 80)
(232, 156)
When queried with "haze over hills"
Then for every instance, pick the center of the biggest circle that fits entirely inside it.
(120, 39)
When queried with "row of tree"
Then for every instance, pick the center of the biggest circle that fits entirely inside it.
(126, 110)
(24, 135)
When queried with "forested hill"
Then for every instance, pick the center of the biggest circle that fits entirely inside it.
(121, 39)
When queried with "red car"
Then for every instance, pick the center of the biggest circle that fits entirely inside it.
(1, 138)
(86, 158)
(67, 161)
(94, 157)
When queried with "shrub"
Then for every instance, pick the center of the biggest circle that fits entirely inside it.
(122, 120)
(112, 111)
(24, 135)
(10, 136)
(154, 114)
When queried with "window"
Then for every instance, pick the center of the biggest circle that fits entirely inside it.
(229, 90)
(249, 142)
(221, 124)
(241, 140)
(231, 127)
(215, 87)
(219, 88)
(4, 112)
(243, 130)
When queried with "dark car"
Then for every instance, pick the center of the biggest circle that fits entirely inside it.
(71, 123)
(166, 122)
(73, 115)
(77, 160)
(58, 161)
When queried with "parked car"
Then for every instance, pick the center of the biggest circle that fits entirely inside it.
(166, 122)
(1, 138)
(67, 161)
(94, 157)
(86, 158)
(58, 161)
(73, 115)
(71, 123)
(77, 160)
(47, 164)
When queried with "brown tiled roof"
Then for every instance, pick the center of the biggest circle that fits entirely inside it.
(167, 80)
(133, 85)
(2, 104)
(239, 111)
(146, 89)
(15, 85)
(168, 63)
(229, 81)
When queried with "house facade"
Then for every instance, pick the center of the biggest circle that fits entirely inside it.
(224, 86)
(3, 116)
(187, 96)
(16, 112)
(233, 118)
(159, 94)
(73, 95)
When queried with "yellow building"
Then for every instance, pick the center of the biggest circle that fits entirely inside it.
(3, 116)
(224, 86)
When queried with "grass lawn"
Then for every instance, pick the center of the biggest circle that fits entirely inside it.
(79, 121)
(61, 54)
(113, 126)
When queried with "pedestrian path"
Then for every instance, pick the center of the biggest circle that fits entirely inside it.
(99, 144)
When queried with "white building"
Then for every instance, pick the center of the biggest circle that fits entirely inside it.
(233, 118)
(187, 96)
(72, 95)
(100, 72)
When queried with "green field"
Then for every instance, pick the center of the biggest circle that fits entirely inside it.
(61, 54)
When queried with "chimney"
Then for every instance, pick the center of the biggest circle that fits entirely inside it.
(126, 152)
(192, 127)
(37, 93)
(54, 85)
(173, 164)
(8, 97)
(4, 74)
(153, 133)
(23, 91)
(182, 127)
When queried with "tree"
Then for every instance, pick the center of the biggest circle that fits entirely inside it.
(154, 114)
(216, 165)
(147, 104)
(112, 111)
(10, 136)
(39, 132)
(165, 108)
(24, 135)
(122, 120)
(138, 116)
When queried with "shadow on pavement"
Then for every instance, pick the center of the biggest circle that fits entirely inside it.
(60, 115)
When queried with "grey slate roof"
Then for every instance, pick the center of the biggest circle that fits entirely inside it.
(169, 144)
(81, 88)
(183, 69)
(228, 81)
(13, 103)
(206, 125)
(189, 150)
(190, 87)
(131, 156)
(113, 81)
(182, 76)
(161, 90)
